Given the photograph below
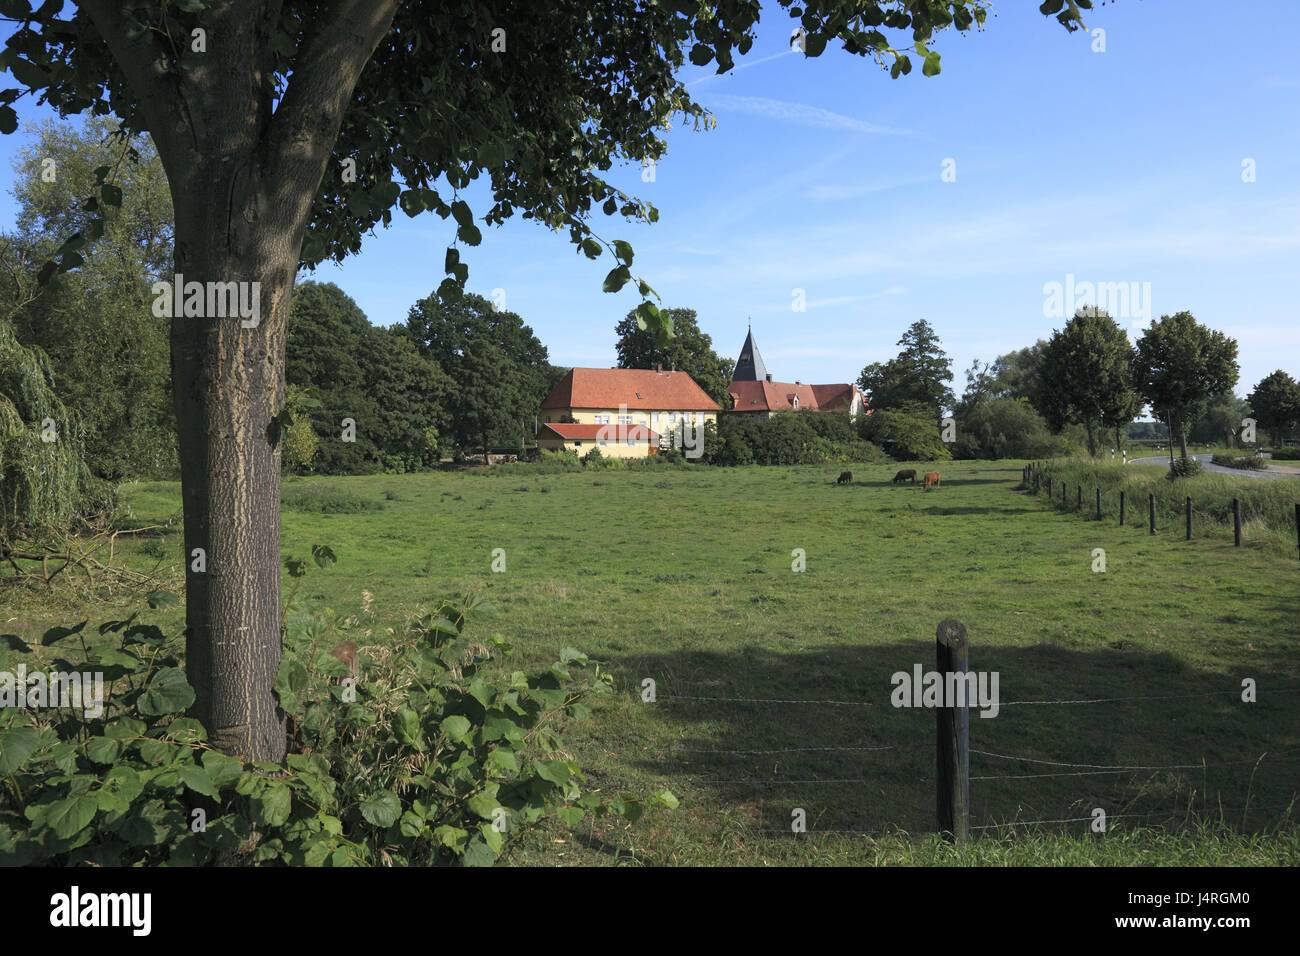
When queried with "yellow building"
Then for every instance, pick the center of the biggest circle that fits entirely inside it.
(632, 412)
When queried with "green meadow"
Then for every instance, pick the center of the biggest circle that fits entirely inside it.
(1119, 689)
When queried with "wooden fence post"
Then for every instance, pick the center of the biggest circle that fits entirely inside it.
(1121, 508)
(1297, 525)
(1189, 518)
(1049, 486)
(1236, 523)
(953, 727)
(1151, 504)
(1078, 505)
(1098, 504)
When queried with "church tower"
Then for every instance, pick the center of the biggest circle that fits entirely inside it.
(749, 368)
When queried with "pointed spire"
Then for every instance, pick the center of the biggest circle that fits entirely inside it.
(749, 367)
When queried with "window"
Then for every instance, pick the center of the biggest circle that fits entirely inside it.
(672, 418)
(796, 403)
(577, 444)
(624, 419)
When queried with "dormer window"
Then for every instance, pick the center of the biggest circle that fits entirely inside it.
(796, 403)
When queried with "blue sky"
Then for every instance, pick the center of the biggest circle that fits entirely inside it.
(824, 175)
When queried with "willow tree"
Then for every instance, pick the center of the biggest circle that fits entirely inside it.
(289, 128)
(43, 473)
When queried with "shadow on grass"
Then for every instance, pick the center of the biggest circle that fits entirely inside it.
(730, 726)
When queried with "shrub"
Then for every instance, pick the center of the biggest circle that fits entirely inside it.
(1249, 462)
(907, 433)
(323, 499)
(424, 761)
(1185, 468)
(1286, 454)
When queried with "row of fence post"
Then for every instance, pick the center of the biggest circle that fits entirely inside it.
(1033, 478)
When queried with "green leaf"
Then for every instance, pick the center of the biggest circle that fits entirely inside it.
(406, 725)
(556, 771)
(382, 810)
(623, 250)
(570, 816)
(456, 727)
(16, 745)
(469, 234)
(616, 279)
(198, 780)
(814, 44)
(931, 65)
(591, 248)
(701, 54)
(482, 804)
(223, 770)
(70, 816)
(667, 798)
(271, 807)
(501, 761)
(461, 211)
(161, 599)
(8, 119)
(610, 206)
(112, 195)
(323, 555)
(168, 693)
(451, 837)
(121, 786)
(103, 749)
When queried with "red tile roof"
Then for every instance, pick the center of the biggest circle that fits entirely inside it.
(772, 396)
(643, 389)
(570, 432)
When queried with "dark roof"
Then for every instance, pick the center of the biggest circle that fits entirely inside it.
(749, 367)
(571, 431)
(638, 389)
(771, 396)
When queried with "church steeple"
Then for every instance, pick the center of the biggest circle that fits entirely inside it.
(749, 367)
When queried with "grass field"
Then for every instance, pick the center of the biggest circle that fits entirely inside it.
(685, 576)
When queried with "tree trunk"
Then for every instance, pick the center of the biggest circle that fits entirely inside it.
(1182, 437)
(1092, 438)
(229, 385)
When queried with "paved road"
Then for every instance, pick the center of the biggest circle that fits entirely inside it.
(1222, 470)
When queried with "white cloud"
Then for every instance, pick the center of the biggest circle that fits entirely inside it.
(800, 114)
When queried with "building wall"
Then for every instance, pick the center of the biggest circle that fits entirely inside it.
(612, 448)
(659, 422)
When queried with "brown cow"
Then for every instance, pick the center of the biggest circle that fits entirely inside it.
(931, 478)
(845, 478)
(907, 474)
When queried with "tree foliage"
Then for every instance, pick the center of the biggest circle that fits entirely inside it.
(1275, 404)
(1179, 366)
(690, 350)
(908, 432)
(108, 351)
(1085, 376)
(919, 374)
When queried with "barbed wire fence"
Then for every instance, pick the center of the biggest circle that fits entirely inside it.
(953, 780)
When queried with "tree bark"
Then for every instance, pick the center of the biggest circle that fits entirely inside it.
(1092, 438)
(243, 172)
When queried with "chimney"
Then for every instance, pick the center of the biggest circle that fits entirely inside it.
(674, 368)
(769, 376)
(659, 369)
(797, 382)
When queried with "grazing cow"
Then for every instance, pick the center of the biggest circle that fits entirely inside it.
(907, 474)
(845, 478)
(931, 478)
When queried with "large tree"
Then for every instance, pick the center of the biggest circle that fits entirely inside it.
(289, 128)
(445, 332)
(107, 349)
(918, 375)
(1085, 376)
(689, 349)
(1179, 366)
(1275, 404)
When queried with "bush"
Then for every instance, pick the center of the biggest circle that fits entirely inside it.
(1185, 468)
(907, 433)
(423, 761)
(1286, 454)
(786, 438)
(323, 499)
(1249, 462)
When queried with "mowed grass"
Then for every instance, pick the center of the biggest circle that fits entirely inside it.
(773, 687)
